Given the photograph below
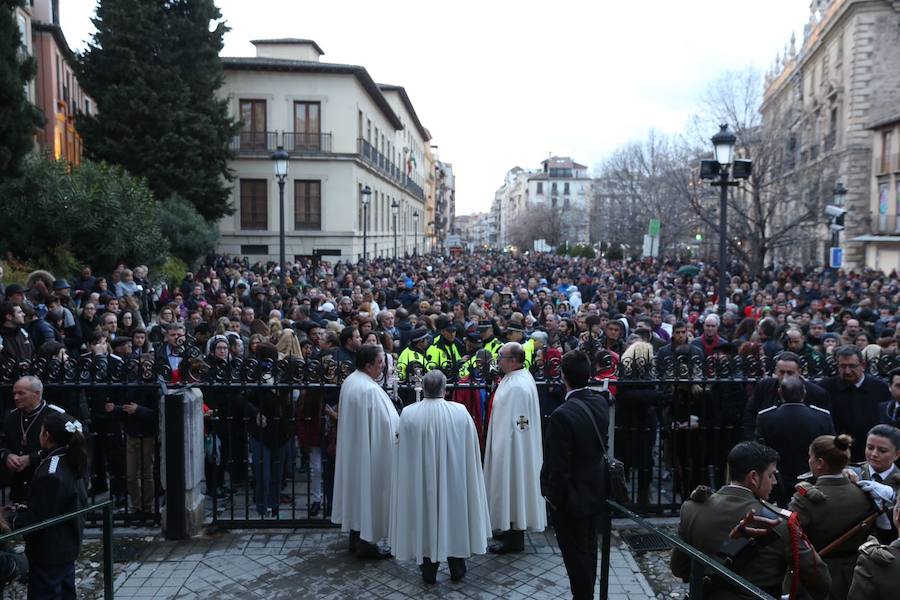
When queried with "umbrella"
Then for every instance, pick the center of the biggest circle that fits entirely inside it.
(688, 270)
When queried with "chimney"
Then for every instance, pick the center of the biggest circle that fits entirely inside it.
(288, 49)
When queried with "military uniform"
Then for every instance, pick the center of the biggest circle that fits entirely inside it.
(877, 573)
(790, 428)
(706, 523)
(891, 478)
(827, 510)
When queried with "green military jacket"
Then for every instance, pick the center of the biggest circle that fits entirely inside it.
(706, 523)
(877, 573)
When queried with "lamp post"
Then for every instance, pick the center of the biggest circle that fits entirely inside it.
(415, 232)
(365, 194)
(280, 159)
(395, 210)
(718, 171)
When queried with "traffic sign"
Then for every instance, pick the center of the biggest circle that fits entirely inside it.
(836, 260)
(654, 228)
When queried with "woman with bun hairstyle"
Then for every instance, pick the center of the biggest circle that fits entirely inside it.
(882, 454)
(58, 487)
(832, 506)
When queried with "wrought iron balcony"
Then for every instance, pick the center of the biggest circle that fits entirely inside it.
(255, 143)
(306, 143)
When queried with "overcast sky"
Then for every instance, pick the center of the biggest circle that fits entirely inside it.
(506, 83)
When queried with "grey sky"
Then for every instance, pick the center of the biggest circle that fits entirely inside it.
(501, 83)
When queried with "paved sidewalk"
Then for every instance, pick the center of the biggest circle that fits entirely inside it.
(316, 564)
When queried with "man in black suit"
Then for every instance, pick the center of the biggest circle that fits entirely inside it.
(790, 428)
(573, 477)
(856, 398)
(889, 412)
(765, 392)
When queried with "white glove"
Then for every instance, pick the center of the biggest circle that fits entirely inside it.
(883, 496)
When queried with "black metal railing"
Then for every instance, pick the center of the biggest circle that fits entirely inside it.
(703, 568)
(255, 143)
(306, 143)
(106, 510)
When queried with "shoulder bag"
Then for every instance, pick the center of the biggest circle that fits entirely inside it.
(617, 487)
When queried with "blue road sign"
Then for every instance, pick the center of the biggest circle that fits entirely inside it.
(837, 258)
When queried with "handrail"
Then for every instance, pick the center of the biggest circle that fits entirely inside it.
(107, 508)
(699, 562)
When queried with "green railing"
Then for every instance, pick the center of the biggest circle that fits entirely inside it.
(107, 508)
(702, 566)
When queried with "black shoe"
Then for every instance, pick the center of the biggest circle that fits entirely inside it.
(429, 571)
(354, 541)
(457, 568)
(314, 509)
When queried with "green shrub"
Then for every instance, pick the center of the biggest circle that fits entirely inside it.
(189, 235)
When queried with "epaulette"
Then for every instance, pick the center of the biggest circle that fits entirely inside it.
(56, 408)
(879, 553)
(810, 492)
(701, 493)
(765, 410)
(820, 409)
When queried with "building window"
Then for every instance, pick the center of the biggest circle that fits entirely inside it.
(565, 188)
(307, 125)
(254, 249)
(566, 202)
(307, 204)
(254, 204)
(553, 189)
(253, 120)
(885, 152)
(540, 187)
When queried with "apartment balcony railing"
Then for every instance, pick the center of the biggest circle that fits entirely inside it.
(413, 188)
(306, 143)
(255, 143)
(383, 164)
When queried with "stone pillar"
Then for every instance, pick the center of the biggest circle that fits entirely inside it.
(181, 419)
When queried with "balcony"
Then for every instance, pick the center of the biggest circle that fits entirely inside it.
(255, 143)
(413, 188)
(306, 143)
(383, 165)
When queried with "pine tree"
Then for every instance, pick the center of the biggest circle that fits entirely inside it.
(153, 69)
(18, 117)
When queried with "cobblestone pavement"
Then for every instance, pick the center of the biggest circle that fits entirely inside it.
(316, 564)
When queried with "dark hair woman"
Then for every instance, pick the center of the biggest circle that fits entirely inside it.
(831, 507)
(58, 487)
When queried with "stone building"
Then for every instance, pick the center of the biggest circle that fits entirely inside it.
(344, 133)
(822, 99)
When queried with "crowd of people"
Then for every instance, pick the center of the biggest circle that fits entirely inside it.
(455, 314)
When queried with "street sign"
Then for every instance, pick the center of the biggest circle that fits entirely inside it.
(651, 246)
(836, 260)
(654, 228)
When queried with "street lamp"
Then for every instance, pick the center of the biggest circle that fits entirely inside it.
(395, 210)
(280, 159)
(415, 232)
(718, 170)
(365, 194)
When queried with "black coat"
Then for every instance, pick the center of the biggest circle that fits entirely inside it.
(790, 429)
(856, 410)
(11, 443)
(573, 476)
(765, 395)
(889, 413)
(55, 490)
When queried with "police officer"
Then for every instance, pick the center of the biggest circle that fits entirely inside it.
(831, 507)
(472, 342)
(20, 444)
(707, 521)
(537, 341)
(789, 429)
(877, 573)
(445, 351)
(58, 488)
(414, 353)
(488, 338)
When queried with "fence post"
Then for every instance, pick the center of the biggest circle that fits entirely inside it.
(183, 455)
(606, 540)
(108, 551)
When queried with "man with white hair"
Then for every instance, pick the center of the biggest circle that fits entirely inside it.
(710, 341)
(439, 505)
(20, 443)
(513, 455)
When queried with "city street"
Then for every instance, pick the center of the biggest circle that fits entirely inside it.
(315, 564)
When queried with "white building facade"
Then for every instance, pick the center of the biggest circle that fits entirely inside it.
(344, 134)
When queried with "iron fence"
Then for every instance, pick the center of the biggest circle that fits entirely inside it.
(674, 420)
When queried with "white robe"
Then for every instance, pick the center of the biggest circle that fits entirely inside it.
(439, 506)
(364, 465)
(513, 456)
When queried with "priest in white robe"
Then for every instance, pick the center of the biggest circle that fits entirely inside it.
(439, 507)
(513, 455)
(366, 449)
